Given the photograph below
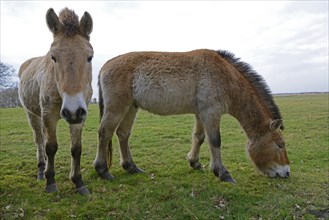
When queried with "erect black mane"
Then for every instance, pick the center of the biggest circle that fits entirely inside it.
(256, 80)
(70, 21)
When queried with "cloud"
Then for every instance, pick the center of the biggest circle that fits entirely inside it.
(286, 42)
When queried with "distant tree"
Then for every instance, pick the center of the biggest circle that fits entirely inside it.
(8, 87)
(9, 98)
(7, 73)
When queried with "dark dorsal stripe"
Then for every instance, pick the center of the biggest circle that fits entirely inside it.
(254, 79)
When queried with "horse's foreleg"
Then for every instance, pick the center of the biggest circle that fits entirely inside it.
(75, 175)
(216, 164)
(39, 139)
(197, 140)
(123, 132)
(106, 129)
(51, 149)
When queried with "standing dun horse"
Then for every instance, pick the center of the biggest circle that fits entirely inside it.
(59, 85)
(205, 83)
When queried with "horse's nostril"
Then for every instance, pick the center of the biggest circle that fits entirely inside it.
(74, 118)
(287, 174)
(81, 113)
(65, 113)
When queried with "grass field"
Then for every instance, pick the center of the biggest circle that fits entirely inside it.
(169, 189)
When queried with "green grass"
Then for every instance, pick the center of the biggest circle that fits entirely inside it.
(169, 189)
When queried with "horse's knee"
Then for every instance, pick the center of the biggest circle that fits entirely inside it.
(122, 134)
(51, 149)
(76, 151)
(199, 138)
(102, 131)
(215, 141)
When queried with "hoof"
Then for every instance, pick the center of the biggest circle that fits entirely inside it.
(51, 188)
(226, 177)
(196, 165)
(131, 168)
(83, 191)
(136, 170)
(107, 176)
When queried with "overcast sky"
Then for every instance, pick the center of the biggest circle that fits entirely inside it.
(285, 41)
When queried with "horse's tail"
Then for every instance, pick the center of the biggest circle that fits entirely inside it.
(101, 113)
(100, 99)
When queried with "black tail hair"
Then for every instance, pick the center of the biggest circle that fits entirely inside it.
(100, 100)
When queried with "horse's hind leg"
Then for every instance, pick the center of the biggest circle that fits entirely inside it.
(109, 122)
(75, 175)
(39, 139)
(123, 132)
(212, 129)
(197, 140)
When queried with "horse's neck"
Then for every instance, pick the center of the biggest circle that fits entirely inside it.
(251, 113)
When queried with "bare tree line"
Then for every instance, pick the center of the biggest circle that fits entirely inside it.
(8, 87)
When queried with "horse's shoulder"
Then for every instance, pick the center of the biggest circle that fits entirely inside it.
(30, 63)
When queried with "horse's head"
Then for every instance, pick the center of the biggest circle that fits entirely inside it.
(71, 54)
(268, 152)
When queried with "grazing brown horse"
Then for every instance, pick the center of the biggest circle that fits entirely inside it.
(59, 85)
(205, 83)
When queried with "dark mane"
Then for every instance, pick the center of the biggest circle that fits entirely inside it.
(70, 21)
(255, 80)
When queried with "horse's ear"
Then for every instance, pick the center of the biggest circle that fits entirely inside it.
(276, 124)
(86, 25)
(53, 22)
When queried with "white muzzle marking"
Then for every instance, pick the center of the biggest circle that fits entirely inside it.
(282, 171)
(72, 107)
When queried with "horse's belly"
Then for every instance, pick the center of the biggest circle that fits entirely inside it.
(165, 105)
(165, 99)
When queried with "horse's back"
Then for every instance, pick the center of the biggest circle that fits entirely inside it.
(162, 82)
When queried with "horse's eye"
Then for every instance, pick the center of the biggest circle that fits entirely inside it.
(90, 59)
(281, 145)
(53, 58)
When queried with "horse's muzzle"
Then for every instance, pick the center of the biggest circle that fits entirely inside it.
(74, 108)
(76, 117)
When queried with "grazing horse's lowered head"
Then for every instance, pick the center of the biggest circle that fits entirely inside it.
(71, 54)
(261, 119)
(268, 152)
